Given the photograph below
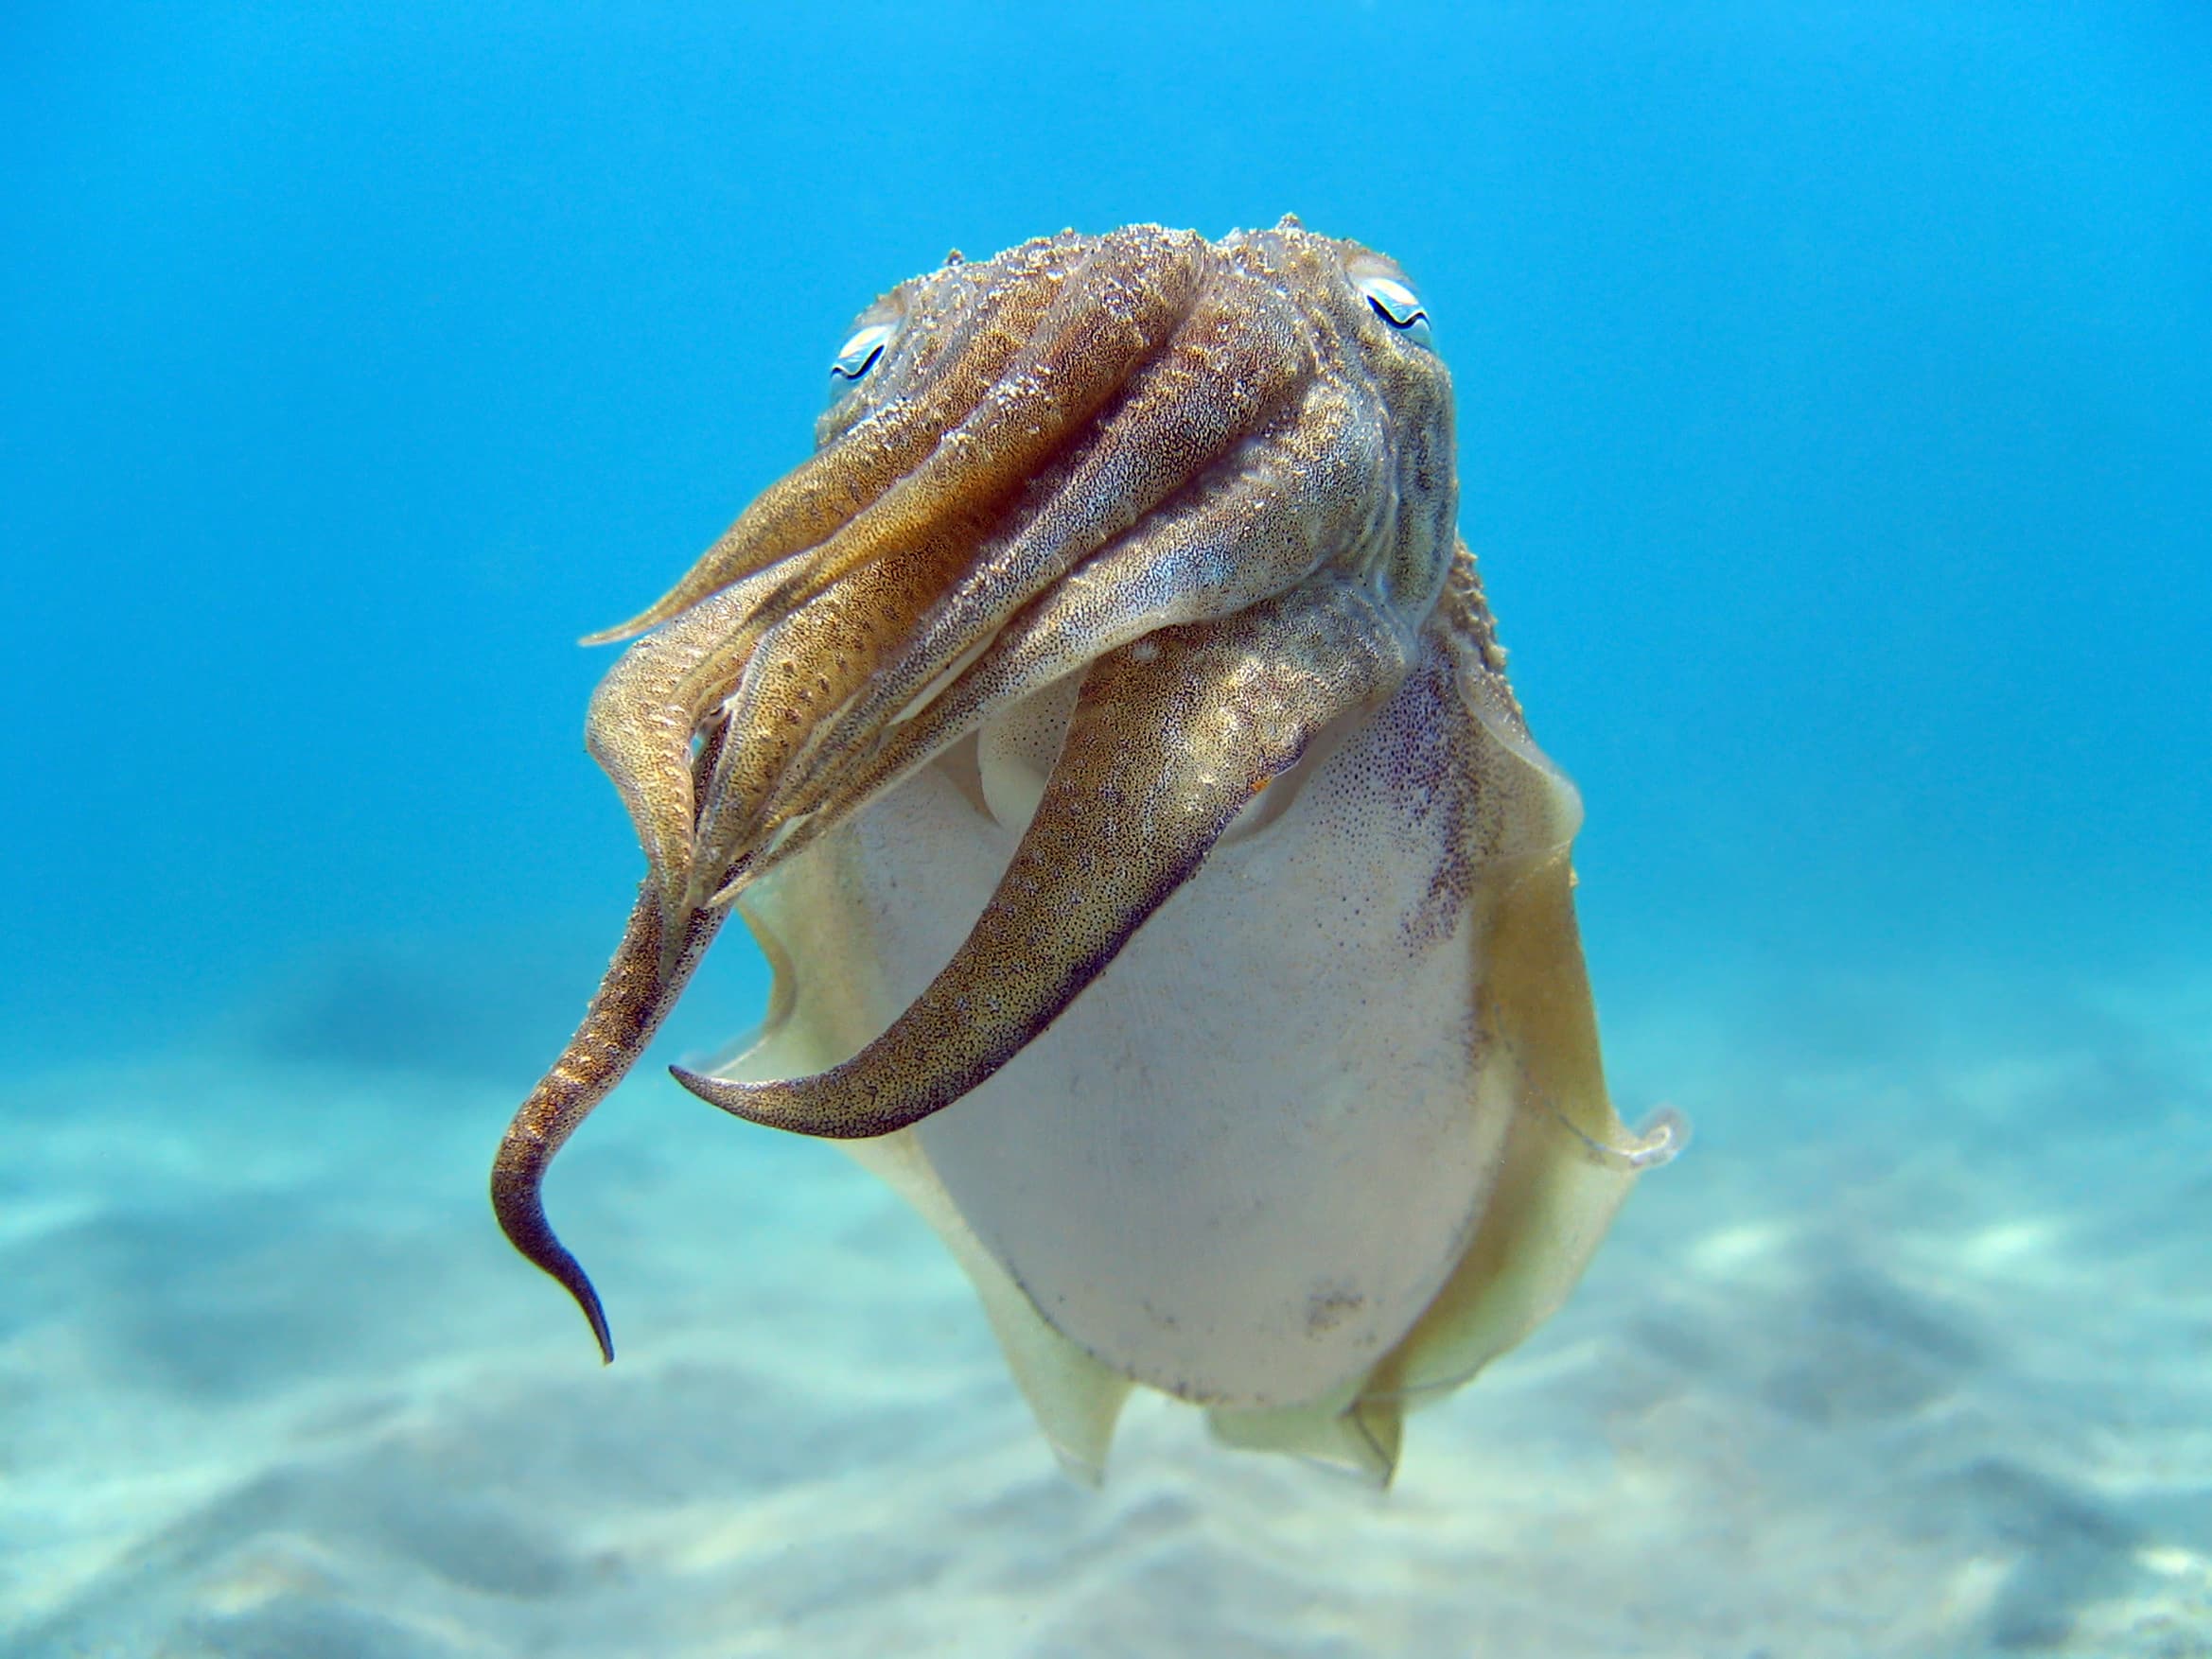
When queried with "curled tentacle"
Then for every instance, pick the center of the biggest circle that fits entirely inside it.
(661, 947)
(648, 972)
(1172, 738)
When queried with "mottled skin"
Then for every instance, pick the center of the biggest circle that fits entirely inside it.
(1213, 486)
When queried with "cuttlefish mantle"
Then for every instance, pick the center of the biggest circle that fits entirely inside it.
(1105, 736)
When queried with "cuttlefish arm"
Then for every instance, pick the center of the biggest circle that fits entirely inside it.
(1172, 738)
(661, 947)
(1239, 537)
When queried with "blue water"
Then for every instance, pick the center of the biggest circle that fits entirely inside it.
(1835, 426)
(1835, 405)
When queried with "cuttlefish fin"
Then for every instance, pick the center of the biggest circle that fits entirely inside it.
(1567, 1164)
(1569, 1159)
(1173, 736)
(1362, 1435)
(648, 972)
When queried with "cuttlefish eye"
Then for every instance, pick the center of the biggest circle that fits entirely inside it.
(858, 355)
(1397, 305)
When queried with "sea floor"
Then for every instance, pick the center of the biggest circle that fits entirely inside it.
(1908, 1354)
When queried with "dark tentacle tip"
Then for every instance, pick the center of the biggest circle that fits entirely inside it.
(731, 1098)
(578, 1284)
(521, 1215)
(798, 1107)
(775, 1106)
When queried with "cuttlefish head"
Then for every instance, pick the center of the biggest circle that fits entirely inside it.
(1211, 483)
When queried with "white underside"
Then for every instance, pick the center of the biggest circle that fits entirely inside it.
(1241, 1164)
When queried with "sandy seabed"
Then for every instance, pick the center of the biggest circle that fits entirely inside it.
(1907, 1356)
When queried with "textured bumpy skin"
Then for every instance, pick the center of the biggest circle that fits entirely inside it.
(1106, 739)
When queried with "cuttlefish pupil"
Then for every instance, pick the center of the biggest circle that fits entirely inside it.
(861, 353)
(1397, 305)
(1105, 736)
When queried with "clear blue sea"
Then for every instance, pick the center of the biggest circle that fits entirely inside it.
(1836, 437)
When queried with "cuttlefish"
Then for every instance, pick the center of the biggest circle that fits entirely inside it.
(1106, 739)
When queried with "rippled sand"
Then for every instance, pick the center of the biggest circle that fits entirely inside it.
(1906, 1357)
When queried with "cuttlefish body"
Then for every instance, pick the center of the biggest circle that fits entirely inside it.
(1105, 736)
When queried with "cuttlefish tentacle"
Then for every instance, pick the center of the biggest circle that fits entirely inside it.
(655, 699)
(1108, 319)
(1252, 531)
(645, 714)
(1172, 738)
(862, 586)
(984, 316)
(806, 665)
(823, 682)
(650, 969)
(1238, 359)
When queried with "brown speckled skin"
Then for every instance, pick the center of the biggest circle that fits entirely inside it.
(1210, 478)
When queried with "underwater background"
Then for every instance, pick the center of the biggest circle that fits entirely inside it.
(1836, 437)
